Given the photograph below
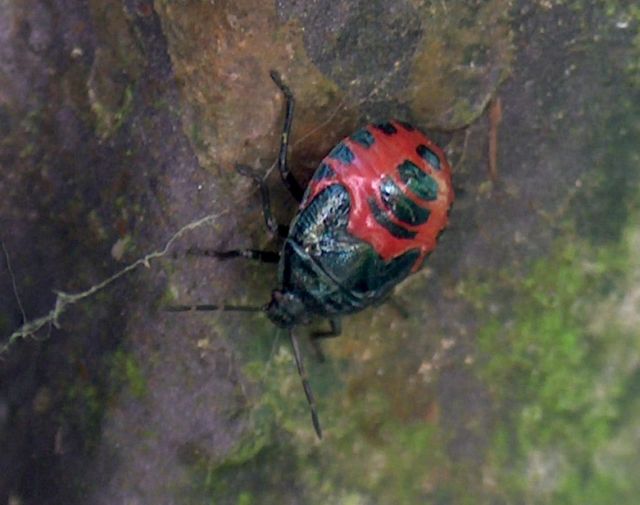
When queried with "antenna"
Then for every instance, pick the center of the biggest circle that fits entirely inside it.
(294, 344)
(209, 307)
(305, 384)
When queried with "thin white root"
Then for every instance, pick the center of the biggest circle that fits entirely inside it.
(64, 300)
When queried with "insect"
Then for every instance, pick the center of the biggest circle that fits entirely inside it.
(369, 217)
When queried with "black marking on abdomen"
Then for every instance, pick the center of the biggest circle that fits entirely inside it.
(363, 137)
(342, 153)
(429, 156)
(324, 171)
(386, 128)
(406, 126)
(405, 209)
(420, 183)
(383, 220)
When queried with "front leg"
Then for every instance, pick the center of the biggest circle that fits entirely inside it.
(335, 331)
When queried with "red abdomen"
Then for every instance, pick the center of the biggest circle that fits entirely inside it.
(399, 182)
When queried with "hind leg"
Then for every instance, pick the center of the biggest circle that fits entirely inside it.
(287, 177)
(279, 230)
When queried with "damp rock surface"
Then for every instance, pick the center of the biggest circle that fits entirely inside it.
(505, 371)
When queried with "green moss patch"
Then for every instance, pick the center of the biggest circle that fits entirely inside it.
(558, 366)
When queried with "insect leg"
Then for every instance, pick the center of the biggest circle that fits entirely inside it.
(399, 307)
(253, 254)
(275, 228)
(305, 384)
(335, 331)
(287, 177)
